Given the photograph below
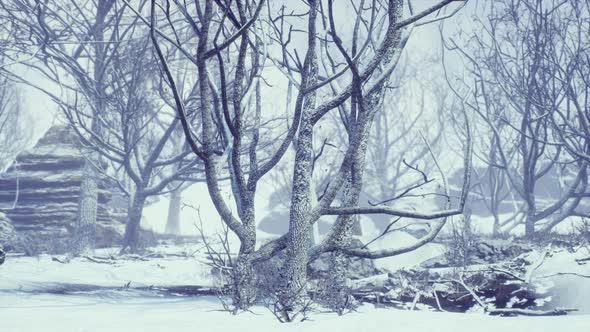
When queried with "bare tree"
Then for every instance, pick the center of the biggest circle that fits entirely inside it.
(14, 135)
(523, 55)
(365, 102)
(230, 115)
(101, 62)
(226, 36)
(400, 159)
(58, 40)
(138, 139)
(568, 55)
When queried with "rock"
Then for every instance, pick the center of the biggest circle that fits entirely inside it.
(436, 262)
(39, 193)
(377, 283)
(276, 222)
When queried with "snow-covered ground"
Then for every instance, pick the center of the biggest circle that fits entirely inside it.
(50, 313)
(35, 273)
(29, 300)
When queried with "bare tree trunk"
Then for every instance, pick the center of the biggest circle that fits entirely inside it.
(496, 227)
(244, 293)
(84, 230)
(294, 292)
(349, 225)
(173, 221)
(243, 273)
(295, 270)
(295, 273)
(88, 204)
(529, 221)
(337, 287)
(529, 227)
(131, 238)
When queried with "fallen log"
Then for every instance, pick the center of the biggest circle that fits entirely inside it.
(566, 274)
(66, 260)
(98, 260)
(527, 312)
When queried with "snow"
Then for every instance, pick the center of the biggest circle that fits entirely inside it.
(25, 306)
(573, 290)
(32, 273)
(50, 313)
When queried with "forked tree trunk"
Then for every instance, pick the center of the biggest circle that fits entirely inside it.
(173, 221)
(347, 225)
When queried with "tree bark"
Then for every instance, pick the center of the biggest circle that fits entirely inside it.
(244, 294)
(299, 222)
(84, 230)
(244, 282)
(294, 292)
(132, 228)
